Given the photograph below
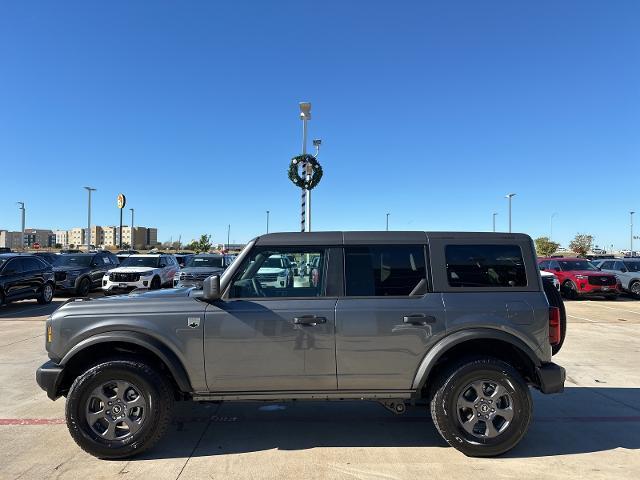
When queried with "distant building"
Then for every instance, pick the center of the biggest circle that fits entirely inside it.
(11, 240)
(44, 237)
(77, 236)
(62, 238)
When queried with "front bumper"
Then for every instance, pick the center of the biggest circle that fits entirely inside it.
(67, 285)
(551, 377)
(108, 286)
(48, 377)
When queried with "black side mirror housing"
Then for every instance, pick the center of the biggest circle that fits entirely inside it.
(557, 269)
(211, 288)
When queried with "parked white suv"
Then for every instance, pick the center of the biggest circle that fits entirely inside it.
(627, 270)
(276, 272)
(150, 271)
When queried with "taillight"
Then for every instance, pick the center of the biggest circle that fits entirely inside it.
(554, 325)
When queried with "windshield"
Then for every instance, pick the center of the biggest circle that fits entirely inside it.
(631, 266)
(216, 261)
(79, 261)
(572, 265)
(272, 262)
(140, 262)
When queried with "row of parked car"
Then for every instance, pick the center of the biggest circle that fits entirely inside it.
(27, 276)
(580, 277)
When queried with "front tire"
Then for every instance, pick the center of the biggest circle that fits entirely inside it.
(634, 288)
(482, 407)
(155, 284)
(46, 294)
(84, 287)
(118, 409)
(569, 290)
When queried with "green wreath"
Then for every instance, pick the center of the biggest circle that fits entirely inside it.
(301, 182)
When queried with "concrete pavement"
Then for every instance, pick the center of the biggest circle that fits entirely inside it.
(590, 431)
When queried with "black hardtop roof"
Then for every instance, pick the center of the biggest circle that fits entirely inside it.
(378, 237)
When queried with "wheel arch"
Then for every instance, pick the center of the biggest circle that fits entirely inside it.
(125, 344)
(481, 341)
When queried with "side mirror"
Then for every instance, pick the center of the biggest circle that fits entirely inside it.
(541, 268)
(557, 269)
(624, 270)
(211, 288)
(162, 265)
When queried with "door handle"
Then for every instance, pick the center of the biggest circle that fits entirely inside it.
(309, 320)
(419, 319)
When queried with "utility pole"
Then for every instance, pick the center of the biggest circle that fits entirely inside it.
(89, 190)
(631, 215)
(551, 231)
(510, 196)
(305, 201)
(133, 242)
(388, 221)
(267, 221)
(228, 235)
(23, 211)
(494, 221)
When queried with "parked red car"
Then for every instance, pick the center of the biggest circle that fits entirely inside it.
(579, 277)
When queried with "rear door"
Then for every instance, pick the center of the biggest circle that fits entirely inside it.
(102, 265)
(388, 317)
(12, 276)
(32, 274)
(270, 335)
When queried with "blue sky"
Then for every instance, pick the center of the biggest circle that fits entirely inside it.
(431, 111)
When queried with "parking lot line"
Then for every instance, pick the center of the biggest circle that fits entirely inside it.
(616, 308)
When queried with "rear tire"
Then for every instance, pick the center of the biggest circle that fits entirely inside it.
(569, 290)
(477, 388)
(144, 409)
(634, 288)
(555, 300)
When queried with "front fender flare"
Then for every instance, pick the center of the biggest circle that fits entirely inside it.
(155, 346)
(450, 341)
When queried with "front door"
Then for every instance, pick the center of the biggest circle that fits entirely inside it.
(387, 319)
(272, 332)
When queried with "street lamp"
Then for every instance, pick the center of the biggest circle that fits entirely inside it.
(555, 214)
(133, 235)
(228, 235)
(631, 215)
(23, 210)
(494, 221)
(89, 190)
(267, 221)
(510, 196)
(305, 222)
(388, 221)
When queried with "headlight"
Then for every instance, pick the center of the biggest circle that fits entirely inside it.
(146, 274)
(73, 273)
(582, 277)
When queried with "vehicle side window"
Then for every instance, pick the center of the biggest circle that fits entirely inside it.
(31, 265)
(606, 265)
(618, 266)
(553, 265)
(12, 267)
(544, 265)
(485, 266)
(381, 271)
(265, 274)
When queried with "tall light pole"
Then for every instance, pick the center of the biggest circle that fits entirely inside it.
(23, 211)
(555, 214)
(267, 221)
(305, 213)
(133, 235)
(494, 221)
(631, 215)
(388, 221)
(510, 196)
(228, 235)
(89, 190)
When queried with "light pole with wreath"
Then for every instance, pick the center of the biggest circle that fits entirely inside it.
(305, 171)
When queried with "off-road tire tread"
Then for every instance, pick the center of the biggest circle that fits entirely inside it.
(164, 402)
(445, 426)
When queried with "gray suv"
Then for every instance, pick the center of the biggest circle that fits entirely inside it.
(626, 270)
(457, 320)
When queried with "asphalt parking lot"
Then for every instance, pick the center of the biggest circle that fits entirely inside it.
(591, 431)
